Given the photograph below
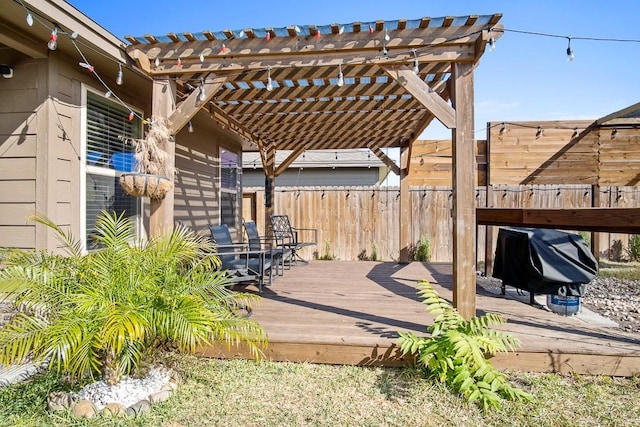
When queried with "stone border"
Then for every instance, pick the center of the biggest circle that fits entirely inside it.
(82, 408)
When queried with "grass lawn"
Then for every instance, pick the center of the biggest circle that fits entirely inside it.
(245, 393)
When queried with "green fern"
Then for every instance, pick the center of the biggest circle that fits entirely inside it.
(457, 350)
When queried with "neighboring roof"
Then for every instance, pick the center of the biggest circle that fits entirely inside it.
(318, 159)
(307, 108)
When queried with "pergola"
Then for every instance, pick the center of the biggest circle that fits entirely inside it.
(361, 85)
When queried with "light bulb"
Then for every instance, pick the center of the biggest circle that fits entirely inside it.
(29, 19)
(416, 66)
(74, 35)
(157, 62)
(179, 63)
(385, 52)
(131, 116)
(570, 55)
(386, 36)
(53, 39)
(269, 82)
(202, 96)
(201, 56)
(107, 94)
(119, 77)
(340, 76)
(190, 127)
(492, 44)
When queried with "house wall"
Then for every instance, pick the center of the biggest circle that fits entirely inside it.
(294, 177)
(197, 182)
(40, 145)
(21, 97)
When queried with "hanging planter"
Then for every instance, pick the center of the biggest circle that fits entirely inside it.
(152, 164)
(145, 185)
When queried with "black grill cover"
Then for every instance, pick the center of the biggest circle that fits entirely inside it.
(544, 261)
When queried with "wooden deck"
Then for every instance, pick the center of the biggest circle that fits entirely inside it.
(349, 313)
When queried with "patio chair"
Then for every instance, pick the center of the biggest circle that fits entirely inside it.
(288, 237)
(279, 255)
(242, 264)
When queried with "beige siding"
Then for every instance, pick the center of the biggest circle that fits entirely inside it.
(197, 182)
(18, 155)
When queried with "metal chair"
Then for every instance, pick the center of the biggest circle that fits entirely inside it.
(288, 237)
(256, 243)
(242, 264)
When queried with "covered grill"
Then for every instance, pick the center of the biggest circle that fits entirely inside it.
(543, 261)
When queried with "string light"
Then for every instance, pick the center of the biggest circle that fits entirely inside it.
(614, 133)
(119, 77)
(268, 36)
(503, 128)
(318, 34)
(53, 38)
(201, 57)
(492, 41)
(223, 50)
(157, 62)
(131, 115)
(340, 76)
(190, 127)
(202, 96)
(269, 82)
(416, 64)
(86, 65)
(539, 132)
(386, 35)
(29, 19)
(179, 63)
(570, 55)
(108, 93)
(575, 133)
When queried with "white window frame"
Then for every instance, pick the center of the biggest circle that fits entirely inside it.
(85, 169)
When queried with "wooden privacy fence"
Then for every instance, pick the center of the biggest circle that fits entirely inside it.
(363, 222)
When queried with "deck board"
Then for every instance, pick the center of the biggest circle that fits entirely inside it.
(350, 312)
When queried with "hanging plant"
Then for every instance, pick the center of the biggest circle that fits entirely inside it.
(153, 169)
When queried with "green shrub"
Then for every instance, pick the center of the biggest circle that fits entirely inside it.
(327, 255)
(98, 313)
(633, 251)
(423, 251)
(374, 251)
(456, 352)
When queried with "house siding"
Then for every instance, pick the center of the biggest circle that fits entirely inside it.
(18, 141)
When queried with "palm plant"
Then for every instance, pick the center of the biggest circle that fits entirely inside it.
(97, 313)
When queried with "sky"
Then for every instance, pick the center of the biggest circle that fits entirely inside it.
(526, 77)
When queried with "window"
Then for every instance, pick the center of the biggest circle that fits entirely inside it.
(106, 157)
(229, 187)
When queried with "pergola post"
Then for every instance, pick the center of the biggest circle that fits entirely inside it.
(269, 167)
(163, 104)
(464, 215)
(405, 203)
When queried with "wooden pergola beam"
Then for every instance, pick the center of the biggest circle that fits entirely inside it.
(606, 220)
(228, 63)
(290, 159)
(385, 159)
(423, 93)
(190, 106)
